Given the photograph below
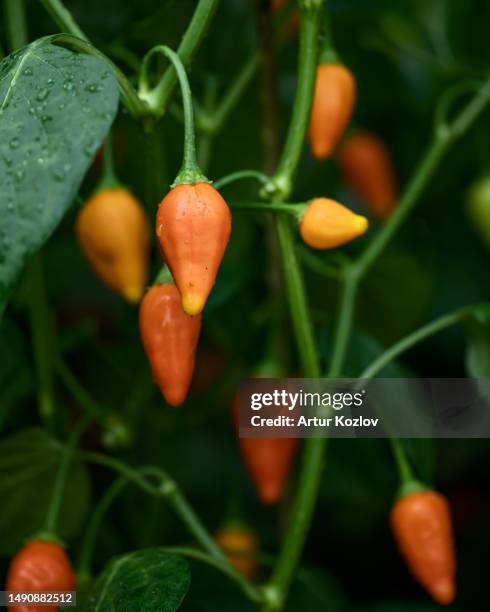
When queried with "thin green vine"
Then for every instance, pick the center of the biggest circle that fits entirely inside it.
(189, 171)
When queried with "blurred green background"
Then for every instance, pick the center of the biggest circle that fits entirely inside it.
(404, 54)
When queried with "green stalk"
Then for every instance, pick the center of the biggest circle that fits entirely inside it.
(51, 523)
(281, 183)
(83, 399)
(411, 340)
(165, 488)
(346, 315)
(42, 332)
(238, 176)
(295, 287)
(275, 591)
(215, 122)
(90, 536)
(190, 43)
(294, 210)
(109, 178)
(421, 177)
(192, 553)
(445, 136)
(62, 17)
(15, 20)
(189, 171)
(404, 469)
(41, 322)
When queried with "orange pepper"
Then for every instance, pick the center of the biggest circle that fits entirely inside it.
(170, 339)
(193, 228)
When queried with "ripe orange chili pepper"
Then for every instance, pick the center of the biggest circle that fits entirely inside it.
(240, 544)
(193, 228)
(41, 565)
(114, 235)
(326, 224)
(421, 524)
(333, 103)
(169, 338)
(268, 461)
(367, 167)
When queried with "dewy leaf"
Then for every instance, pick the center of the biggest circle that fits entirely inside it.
(56, 107)
(149, 580)
(29, 463)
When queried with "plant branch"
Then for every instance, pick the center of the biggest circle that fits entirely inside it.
(212, 123)
(50, 526)
(42, 331)
(193, 553)
(346, 315)
(190, 171)
(83, 399)
(278, 190)
(88, 543)
(166, 488)
(445, 135)
(16, 27)
(190, 42)
(63, 18)
(411, 340)
(290, 209)
(238, 176)
(281, 183)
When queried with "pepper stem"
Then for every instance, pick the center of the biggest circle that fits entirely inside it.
(109, 178)
(328, 53)
(190, 172)
(163, 276)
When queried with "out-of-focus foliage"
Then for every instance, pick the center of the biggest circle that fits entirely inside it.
(404, 54)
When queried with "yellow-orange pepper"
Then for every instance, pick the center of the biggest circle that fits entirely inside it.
(240, 544)
(114, 236)
(326, 224)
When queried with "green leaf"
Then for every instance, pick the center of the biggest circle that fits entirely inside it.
(28, 465)
(148, 580)
(56, 107)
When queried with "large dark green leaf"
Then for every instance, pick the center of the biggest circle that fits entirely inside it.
(148, 580)
(56, 107)
(28, 465)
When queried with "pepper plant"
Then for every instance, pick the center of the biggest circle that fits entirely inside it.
(152, 504)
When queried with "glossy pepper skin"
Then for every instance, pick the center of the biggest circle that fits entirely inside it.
(421, 524)
(41, 565)
(326, 224)
(268, 461)
(367, 168)
(114, 235)
(193, 228)
(170, 339)
(333, 103)
(239, 543)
